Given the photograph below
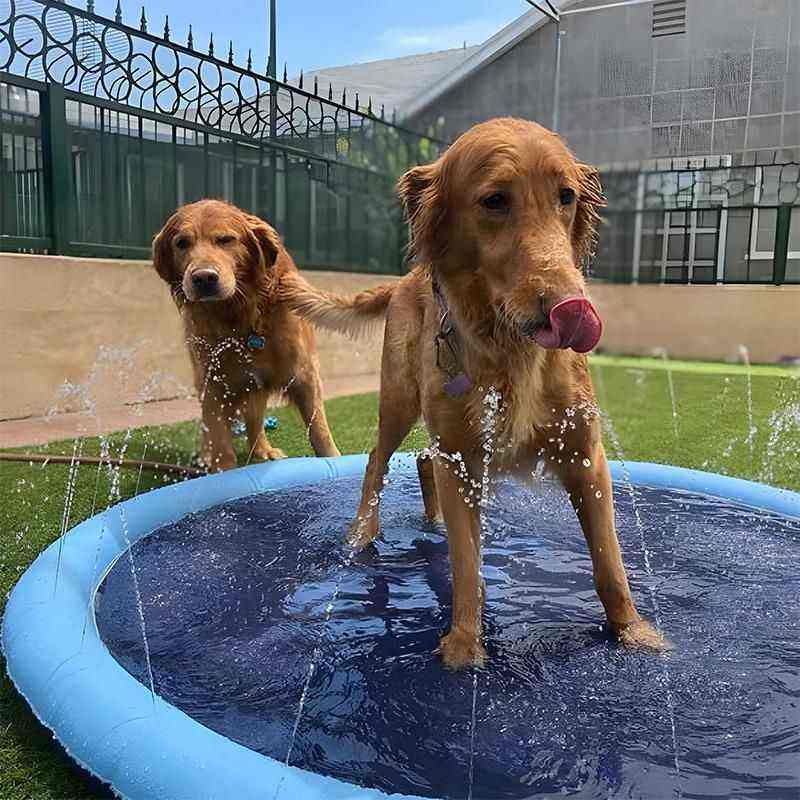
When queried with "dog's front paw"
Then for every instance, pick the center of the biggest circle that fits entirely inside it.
(461, 649)
(363, 530)
(218, 463)
(641, 635)
(270, 454)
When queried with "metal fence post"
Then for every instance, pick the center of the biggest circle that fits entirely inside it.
(60, 198)
(781, 244)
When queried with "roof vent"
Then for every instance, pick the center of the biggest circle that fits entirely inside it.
(669, 17)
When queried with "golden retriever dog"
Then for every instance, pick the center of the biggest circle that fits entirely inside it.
(224, 267)
(500, 225)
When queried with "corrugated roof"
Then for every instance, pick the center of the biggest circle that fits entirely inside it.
(392, 81)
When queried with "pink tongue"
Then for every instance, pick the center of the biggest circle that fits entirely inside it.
(574, 323)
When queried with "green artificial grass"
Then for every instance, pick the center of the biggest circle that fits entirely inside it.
(711, 431)
(706, 367)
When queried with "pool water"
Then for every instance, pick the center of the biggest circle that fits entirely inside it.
(237, 604)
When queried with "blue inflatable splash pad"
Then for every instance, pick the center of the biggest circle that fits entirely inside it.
(268, 643)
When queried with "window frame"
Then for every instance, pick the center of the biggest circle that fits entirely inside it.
(692, 229)
(762, 255)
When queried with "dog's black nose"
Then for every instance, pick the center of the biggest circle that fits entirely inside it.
(205, 281)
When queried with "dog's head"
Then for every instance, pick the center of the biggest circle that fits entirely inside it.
(509, 215)
(212, 251)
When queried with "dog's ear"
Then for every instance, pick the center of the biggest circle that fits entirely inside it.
(163, 259)
(587, 215)
(421, 192)
(266, 238)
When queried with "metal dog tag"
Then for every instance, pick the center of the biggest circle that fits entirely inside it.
(256, 342)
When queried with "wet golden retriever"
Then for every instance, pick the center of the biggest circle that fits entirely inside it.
(224, 267)
(500, 225)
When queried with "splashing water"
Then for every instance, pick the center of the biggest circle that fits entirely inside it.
(744, 353)
(662, 353)
(69, 497)
(492, 409)
(214, 367)
(784, 432)
(628, 487)
(117, 367)
(139, 605)
(316, 654)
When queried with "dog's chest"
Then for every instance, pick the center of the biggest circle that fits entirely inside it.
(237, 369)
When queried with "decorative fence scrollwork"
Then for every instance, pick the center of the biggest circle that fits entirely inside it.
(52, 42)
(106, 127)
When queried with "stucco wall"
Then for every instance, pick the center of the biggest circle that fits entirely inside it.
(700, 322)
(111, 329)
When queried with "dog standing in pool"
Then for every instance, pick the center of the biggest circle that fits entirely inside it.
(500, 225)
(224, 267)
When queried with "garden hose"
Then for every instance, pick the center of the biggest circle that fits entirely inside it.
(129, 463)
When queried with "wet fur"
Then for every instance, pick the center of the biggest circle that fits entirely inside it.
(238, 382)
(495, 274)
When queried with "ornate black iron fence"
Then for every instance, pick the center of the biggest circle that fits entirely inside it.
(702, 220)
(106, 128)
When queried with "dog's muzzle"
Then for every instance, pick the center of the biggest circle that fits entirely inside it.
(573, 322)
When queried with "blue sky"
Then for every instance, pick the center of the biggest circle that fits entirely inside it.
(322, 33)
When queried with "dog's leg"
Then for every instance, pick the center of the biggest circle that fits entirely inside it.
(307, 396)
(217, 438)
(395, 421)
(427, 483)
(260, 446)
(590, 493)
(399, 409)
(462, 646)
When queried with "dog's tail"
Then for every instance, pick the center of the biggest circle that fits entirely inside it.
(351, 315)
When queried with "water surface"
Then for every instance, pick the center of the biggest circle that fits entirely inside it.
(236, 602)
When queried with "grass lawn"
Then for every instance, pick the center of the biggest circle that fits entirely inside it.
(712, 434)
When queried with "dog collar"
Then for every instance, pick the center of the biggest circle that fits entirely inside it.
(255, 341)
(448, 346)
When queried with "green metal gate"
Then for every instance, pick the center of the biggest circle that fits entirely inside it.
(702, 220)
(106, 129)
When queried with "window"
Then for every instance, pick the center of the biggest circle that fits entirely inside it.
(681, 246)
(687, 243)
(762, 229)
(669, 18)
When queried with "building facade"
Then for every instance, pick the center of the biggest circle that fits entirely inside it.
(639, 81)
(691, 109)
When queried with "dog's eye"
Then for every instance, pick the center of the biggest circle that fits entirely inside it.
(223, 240)
(496, 202)
(182, 242)
(566, 196)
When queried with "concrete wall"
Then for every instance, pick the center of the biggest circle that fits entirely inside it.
(700, 322)
(111, 330)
